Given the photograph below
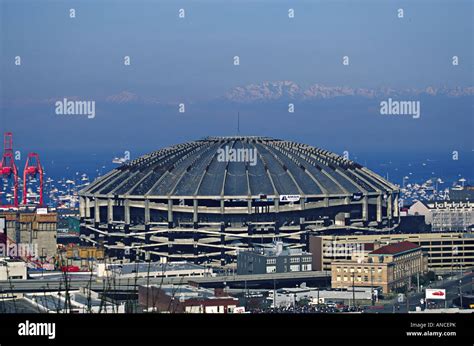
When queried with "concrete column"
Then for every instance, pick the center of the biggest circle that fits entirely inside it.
(96, 211)
(170, 211)
(277, 204)
(126, 211)
(222, 244)
(110, 210)
(170, 226)
(389, 206)
(195, 241)
(395, 206)
(303, 234)
(222, 206)
(326, 202)
(249, 206)
(195, 211)
(147, 211)
(365, 208)
(82, 207)
(249, 233)
(88, 207)
(379, 208)
(147, 235)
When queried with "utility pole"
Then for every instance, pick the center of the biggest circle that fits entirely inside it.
(418, 282)
(408, 301)
(274, 294)
(353, 289)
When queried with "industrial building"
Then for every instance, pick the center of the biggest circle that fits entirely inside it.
(30, 228)
(446, 251)
(389, 267)
(273, 259)
(204, 200)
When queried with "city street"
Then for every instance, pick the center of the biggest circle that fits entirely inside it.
(452, 292)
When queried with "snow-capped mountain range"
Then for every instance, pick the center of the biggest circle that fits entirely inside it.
(129, 97)
(282, 90)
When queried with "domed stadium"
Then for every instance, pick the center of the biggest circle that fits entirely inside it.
(202, 201)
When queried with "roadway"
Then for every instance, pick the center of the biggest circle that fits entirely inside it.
(76, 281)
(452, 292)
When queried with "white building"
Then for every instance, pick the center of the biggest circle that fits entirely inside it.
(152, 269)
(11, 269)
(80, 301)
(446, 215)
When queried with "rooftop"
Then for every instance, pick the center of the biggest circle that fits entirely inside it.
(153, 267)
(238, 166)
(394, 249)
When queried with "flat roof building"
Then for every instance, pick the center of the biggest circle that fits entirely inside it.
(152, 269)
(445, 216)
(35, 228)
(390, 267)
(11, 269)
(446, 251)
(273, 259)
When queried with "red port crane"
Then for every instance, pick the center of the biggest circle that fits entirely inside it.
(8, 168)
(32, 169)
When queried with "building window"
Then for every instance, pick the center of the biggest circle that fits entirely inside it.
(271, 261)
(294, 268)
(306, 267)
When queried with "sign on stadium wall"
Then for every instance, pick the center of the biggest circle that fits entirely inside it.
(289, 198)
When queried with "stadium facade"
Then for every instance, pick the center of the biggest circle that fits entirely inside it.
(202, 201)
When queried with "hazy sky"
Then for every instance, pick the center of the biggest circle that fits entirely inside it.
(191, 58)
